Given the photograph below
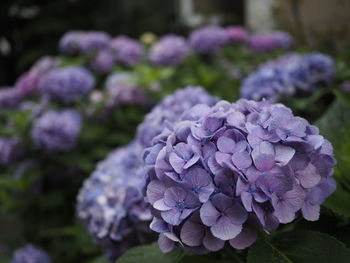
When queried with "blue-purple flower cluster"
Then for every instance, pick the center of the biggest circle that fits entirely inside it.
(225, 172)
(121, 88)
(111, 204)
(288, 75)
(30, 254)
(171, 50)
(267, 42)
(67, 84)
(57, 130)
(83, 42)
(208, 39)
(127, 50)
(10, 150)
(170, 110)
(10, 98)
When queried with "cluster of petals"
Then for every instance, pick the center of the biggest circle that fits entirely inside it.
(83, 42)
(121, 88)
(225, 172)
(266, 42)
(10, 150)
(57, 130)
(171, 50)
(67, 84)
(170, 110)
(126, 50)
(208, 39)
(288, 75)
(30, 254)
(111, 204)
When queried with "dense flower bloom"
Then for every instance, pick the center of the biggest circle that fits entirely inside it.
(289, 74)
(170, 110)
(266, 42)
(111, 204)
(30, 254)
(127, 50)
(83, 42)
(208, 39)
(28, 83)
(67, 84)
(103, 61)
(171, 50)
(10, 150)
(121, 89)
(9, 97)
(57, 130)
(267, 82)
(232, 170)
(236, 34)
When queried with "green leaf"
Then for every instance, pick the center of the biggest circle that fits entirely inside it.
(263, 251)
(150, 254)
(310, 246)
(299, 247)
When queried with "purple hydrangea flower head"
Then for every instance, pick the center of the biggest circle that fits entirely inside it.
(236, 34)
(170, 110)
(83, 42)
(111, 204)
(266, 42)
(10, 150)
(282, 39)
(320, 67)
(9, 98)
(127, 50)
(268, 82)
(30, 254)
(104, 61)
(67, 84)
(236, 169)
(208, 39)
(28, 83)
(122, 89)
(57, 130)
(171, 50)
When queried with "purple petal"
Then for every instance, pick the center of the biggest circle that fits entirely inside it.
(212, 243)
(172, 216)
(264, 156)
(309, 177)
(173, 195)
(224, 229)
(155, 191)
(236, 214)
(160, 205)
(159, 226)
(165, 244)
(176, 162)
(192, 161)
(241, 160)
(311, 212)
(244, 239)
(209, 214)
(283, 154)
(247, 201)
(226, 145)
(192, 233)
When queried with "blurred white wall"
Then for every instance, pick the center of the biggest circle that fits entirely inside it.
(259, 15)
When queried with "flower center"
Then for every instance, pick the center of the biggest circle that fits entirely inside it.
(181, 205)
(196, 189)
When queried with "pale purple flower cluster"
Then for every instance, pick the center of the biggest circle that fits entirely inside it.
(122, 89)
(67, 84)
(170, 110)
(225, 172)
(266, 42)
(104, 61)
(28, 83)
(208, 39)
(127, 50)
(9, 97)
(111, 204)
(10, 150)
(171, 50)
(57, 130)
(236, 34)
(83, 42)
(30, 254)
(288, 75)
